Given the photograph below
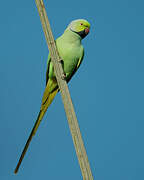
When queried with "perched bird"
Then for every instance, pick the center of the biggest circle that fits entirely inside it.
(71, 51)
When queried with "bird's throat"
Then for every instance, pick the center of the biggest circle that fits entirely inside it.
(82, 34)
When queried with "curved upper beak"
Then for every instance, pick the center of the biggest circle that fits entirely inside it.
(87, 30)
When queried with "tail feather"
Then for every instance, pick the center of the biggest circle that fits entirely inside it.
(43, 109)
(27, 144)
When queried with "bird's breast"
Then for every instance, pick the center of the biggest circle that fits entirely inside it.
(70, 55)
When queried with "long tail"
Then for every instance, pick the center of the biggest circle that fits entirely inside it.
(45, 104)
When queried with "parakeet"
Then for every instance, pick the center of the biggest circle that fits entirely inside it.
(72, 52)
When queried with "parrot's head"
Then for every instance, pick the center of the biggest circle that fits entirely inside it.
(80, 27)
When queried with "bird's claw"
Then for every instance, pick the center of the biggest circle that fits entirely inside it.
(60, 60)
(64, 76)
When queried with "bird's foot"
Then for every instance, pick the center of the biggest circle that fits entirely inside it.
(60, 61)
(63, 76)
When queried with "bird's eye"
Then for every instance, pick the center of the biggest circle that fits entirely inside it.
(81, 24)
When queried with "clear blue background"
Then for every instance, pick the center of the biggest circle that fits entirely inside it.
(107, 91)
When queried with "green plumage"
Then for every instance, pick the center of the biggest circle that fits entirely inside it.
(71, 51)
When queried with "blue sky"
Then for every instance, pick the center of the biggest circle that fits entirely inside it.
(107, 91)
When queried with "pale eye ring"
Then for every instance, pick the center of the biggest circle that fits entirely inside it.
(81, 24)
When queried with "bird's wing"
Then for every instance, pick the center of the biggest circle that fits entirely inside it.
(77, 66)
(48, 66)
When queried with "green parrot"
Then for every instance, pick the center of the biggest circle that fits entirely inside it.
(72, 52)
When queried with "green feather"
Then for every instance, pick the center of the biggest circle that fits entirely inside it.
(71, 51)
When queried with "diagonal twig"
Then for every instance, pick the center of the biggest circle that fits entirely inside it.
(69, 109)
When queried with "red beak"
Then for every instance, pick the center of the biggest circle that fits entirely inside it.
(87, 30)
